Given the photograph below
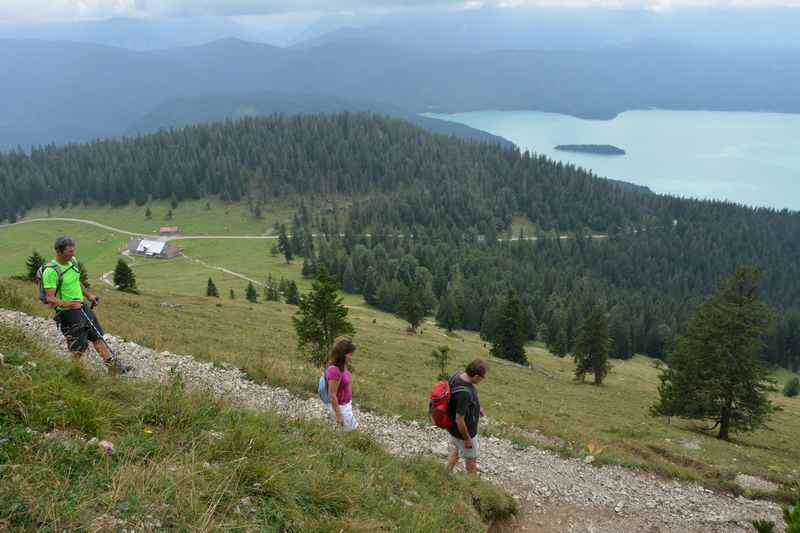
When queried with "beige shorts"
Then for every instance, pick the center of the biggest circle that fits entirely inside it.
(466, 453)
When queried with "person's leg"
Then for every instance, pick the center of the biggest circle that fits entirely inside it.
(472, 466)
(102, 350)
(452, 457)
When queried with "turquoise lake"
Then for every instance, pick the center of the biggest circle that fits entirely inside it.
(748, 158)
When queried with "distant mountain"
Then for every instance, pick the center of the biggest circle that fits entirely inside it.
(131, 33)
(64, 91)
(489, 28)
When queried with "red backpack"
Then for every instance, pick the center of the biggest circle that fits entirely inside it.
(439, 403)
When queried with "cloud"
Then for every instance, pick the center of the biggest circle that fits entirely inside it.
(41, 10)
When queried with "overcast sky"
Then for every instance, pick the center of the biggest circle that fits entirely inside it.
(51, 10)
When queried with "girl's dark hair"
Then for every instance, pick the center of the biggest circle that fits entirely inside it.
(338, 355)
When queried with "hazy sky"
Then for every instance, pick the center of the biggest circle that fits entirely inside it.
(47, 10)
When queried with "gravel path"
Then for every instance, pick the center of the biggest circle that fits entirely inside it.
(555, 494)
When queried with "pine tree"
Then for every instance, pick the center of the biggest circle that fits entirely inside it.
(321, 318)
(309, 269)
(509, 337)
(591, 347)
(169, 214)
(411, 308)
(440, 358)
(284, 245)
(147, 213)
(292, 294)
(370, 290)
(124, 278)
(211, 289)
(250, 293)
(714, 371)
(349, 281)
(32, 265)
(448, 315)
(271, 291)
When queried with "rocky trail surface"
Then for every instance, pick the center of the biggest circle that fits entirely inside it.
(554, 493)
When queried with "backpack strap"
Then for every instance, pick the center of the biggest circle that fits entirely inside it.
(73, 265)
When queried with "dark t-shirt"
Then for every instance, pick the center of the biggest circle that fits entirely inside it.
(465, 403)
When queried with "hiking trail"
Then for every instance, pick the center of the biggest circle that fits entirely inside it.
(554, 493)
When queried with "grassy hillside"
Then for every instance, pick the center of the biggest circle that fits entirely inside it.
(192, 217)
(393, 376)
(184, 461)
(98, 248)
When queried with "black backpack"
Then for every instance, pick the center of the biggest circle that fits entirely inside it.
(73, 264)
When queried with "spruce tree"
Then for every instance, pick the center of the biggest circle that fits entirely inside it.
(448, 315)
(509, 336)
(147, 213)
(250, 293)
(211, 289)
(411, 308)
(284, 245)
(321, 318)
(292, 294)
(271, 291)
(32, 265)
(591, 347)
(714, 372)
(349, 281)
(124, 278)
(370, 290)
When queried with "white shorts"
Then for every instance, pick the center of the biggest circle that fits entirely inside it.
(466, 453)
(350, 422)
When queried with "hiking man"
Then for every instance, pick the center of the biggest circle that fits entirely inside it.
(69, 296)
(465, 410)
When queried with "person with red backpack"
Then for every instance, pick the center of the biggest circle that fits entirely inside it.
(465, 411)
(60, 287)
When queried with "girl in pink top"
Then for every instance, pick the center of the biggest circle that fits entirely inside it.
(339, 390)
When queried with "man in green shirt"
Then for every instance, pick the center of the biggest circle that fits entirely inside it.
(72, 314)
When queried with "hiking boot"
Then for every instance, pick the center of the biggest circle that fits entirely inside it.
(116, 368)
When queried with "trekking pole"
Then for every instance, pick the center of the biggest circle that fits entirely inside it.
(96, 331)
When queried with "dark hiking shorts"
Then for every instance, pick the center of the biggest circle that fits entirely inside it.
(76, 328)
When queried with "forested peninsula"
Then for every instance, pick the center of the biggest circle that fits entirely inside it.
(427, 219)
(599, 149)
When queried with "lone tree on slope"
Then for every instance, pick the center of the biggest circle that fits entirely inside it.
(124, 278)
(211, 289)
(411, 308)
(321, 318)
(250, 293)
(591, 347)
(715, 372)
